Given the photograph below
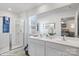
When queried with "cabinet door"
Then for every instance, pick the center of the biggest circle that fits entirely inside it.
(52, 52)
(39, 51)
(36, 47)
(59, 50)
(67, 54)
(31, 49)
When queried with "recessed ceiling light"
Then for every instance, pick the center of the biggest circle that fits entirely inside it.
(9, 9)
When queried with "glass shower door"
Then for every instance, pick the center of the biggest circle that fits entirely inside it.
(18, 35)
(4, 38)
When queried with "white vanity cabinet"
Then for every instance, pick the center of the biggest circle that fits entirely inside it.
(47, 47)
(52, 51)
(55, 49)
(36, 47)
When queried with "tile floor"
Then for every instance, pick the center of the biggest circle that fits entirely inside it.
(15, 52)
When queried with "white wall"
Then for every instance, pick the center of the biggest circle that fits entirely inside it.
(24, 17)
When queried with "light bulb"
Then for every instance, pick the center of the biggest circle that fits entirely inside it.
(72, 26)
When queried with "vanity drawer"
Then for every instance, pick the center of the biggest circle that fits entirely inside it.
(63, 48)
(41, 42)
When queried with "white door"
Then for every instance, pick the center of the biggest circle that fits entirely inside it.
(4, 38)
(17, 38)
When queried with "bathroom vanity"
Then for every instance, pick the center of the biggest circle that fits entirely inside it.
(56, 39)
(55, 46)
(58, 34)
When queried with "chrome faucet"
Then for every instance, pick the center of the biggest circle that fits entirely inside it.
(64, 38)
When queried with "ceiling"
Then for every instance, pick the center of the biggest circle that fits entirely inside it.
(17, 7)
(72, 7)
(20, 7)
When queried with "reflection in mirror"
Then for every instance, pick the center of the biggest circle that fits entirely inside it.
(51, 29)
(68, 27)
(46, 29)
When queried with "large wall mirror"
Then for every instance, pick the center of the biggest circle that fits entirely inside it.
(68, 27)
(46, 29)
